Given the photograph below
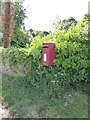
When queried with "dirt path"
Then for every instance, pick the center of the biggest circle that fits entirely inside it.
(3, 112)
(6, 70)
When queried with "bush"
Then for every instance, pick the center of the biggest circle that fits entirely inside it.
(70, 65)
(20, 39)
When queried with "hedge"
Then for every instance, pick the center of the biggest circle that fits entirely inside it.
(70, 66)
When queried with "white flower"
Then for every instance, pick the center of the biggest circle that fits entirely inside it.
(55, 75)
(65, 104)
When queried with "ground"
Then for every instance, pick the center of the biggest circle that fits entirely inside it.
(20, 101)
(4, 113)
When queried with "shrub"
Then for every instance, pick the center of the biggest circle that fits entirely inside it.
(70, 65)
(20, 39)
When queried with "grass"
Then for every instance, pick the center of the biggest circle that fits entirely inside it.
(26, 101)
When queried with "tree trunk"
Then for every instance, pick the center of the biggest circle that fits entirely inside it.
(7, 22)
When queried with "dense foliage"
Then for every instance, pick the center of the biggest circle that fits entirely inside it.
(39, 33)
(0, 7)
(70, 65)
(63, 24)
(20, 36)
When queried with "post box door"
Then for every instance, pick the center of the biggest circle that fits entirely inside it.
(52, 54)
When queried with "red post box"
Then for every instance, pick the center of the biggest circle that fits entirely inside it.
(48, 54)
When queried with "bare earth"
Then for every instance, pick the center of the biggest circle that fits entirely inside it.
(3, 112)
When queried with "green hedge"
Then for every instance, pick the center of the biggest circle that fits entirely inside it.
(70, 65)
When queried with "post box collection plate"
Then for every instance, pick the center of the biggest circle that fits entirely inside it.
(45, 57)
